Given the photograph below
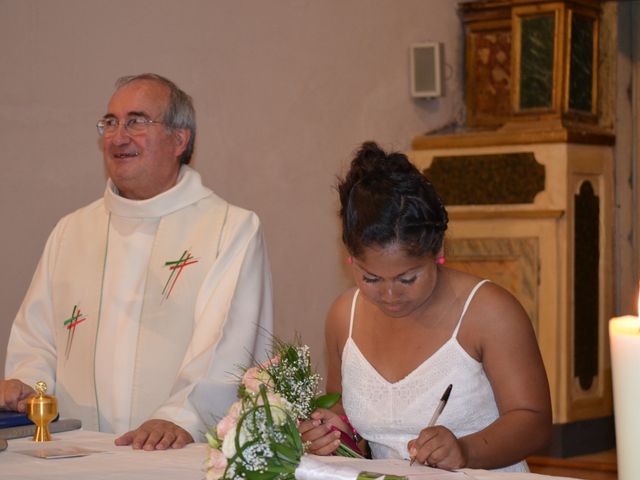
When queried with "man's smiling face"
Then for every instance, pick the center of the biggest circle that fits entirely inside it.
(145, 164)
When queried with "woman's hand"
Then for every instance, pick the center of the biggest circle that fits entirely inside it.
(319, 433)
(438, 447)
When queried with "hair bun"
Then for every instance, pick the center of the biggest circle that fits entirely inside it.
(372, 164)
(384, 198)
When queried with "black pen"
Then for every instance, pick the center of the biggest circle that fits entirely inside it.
(434, 418)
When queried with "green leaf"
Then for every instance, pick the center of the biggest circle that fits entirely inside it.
(260, 475)
(281, 469)
(294, 434)
(344, 451)
(266, 405)
(288, 454)
(326, 401)
(375, 476)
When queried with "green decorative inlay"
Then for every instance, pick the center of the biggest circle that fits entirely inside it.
(581, 63)
(506, 178)
(536, 61)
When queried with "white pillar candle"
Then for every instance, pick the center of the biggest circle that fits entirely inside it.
(624, 338)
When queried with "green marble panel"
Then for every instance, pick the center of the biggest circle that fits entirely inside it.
(505, 178)
(536, 61)
(581, 64)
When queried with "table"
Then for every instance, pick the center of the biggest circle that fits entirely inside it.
(116, 463)
(124, 463)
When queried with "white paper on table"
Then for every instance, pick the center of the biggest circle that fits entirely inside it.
(314, 467)
(52, 453)
(491, 475)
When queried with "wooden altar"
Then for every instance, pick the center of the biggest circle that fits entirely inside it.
(528, 184)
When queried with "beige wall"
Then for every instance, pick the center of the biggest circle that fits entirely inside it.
(285, 90)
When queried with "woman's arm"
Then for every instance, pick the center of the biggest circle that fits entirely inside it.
(497, 331)
(513, 363)
(318, 432)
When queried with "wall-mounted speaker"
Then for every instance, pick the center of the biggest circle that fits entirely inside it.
(426, 69)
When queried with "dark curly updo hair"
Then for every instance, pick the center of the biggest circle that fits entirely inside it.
(385, 199)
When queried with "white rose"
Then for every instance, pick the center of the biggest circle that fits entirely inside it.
(229, 443)
(278, 406)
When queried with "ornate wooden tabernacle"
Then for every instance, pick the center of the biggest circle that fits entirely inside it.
(529, 188)
(531, 60)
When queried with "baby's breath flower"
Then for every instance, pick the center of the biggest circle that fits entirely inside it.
(294, 379)
(259, 433)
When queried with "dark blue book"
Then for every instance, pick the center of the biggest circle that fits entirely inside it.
(13, 419)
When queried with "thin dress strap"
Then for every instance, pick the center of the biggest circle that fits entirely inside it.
(353, 310)
(466, 305)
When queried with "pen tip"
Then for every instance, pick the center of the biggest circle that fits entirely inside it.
(447, 392)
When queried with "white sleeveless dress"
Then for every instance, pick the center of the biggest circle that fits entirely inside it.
(388, 414)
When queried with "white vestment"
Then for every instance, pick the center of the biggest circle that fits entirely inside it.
(146, 309)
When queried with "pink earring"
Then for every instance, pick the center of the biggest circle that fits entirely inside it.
(440, 260)
(350, 260)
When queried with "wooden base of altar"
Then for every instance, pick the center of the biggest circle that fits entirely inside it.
(598, 466)
(532, 210)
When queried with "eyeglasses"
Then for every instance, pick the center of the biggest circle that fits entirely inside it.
(133, 126)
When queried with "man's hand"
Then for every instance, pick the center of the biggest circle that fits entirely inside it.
(14, 394)
(156, 435)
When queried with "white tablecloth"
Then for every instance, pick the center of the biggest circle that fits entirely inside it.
(340, 468)
(117, 463)
(124, 463)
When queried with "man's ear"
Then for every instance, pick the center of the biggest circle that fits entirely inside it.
(182, 137)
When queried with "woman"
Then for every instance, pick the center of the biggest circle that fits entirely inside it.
(411, 327)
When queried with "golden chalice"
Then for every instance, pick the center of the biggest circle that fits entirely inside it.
(41, 410)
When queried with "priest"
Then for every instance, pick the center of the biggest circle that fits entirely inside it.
(145, 300)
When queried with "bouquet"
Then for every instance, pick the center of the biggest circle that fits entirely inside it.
(258, 439)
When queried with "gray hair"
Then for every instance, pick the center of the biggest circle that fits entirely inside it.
(180, 112)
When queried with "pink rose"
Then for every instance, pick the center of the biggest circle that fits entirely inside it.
(254, 377)
(216, 464)
(275, 360)
(229, 421)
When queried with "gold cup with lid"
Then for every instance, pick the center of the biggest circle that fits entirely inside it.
(41, 410)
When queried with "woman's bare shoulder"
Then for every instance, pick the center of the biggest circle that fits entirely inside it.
(339, 313)
(496, 298)
(498, 310)
(495, 316)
